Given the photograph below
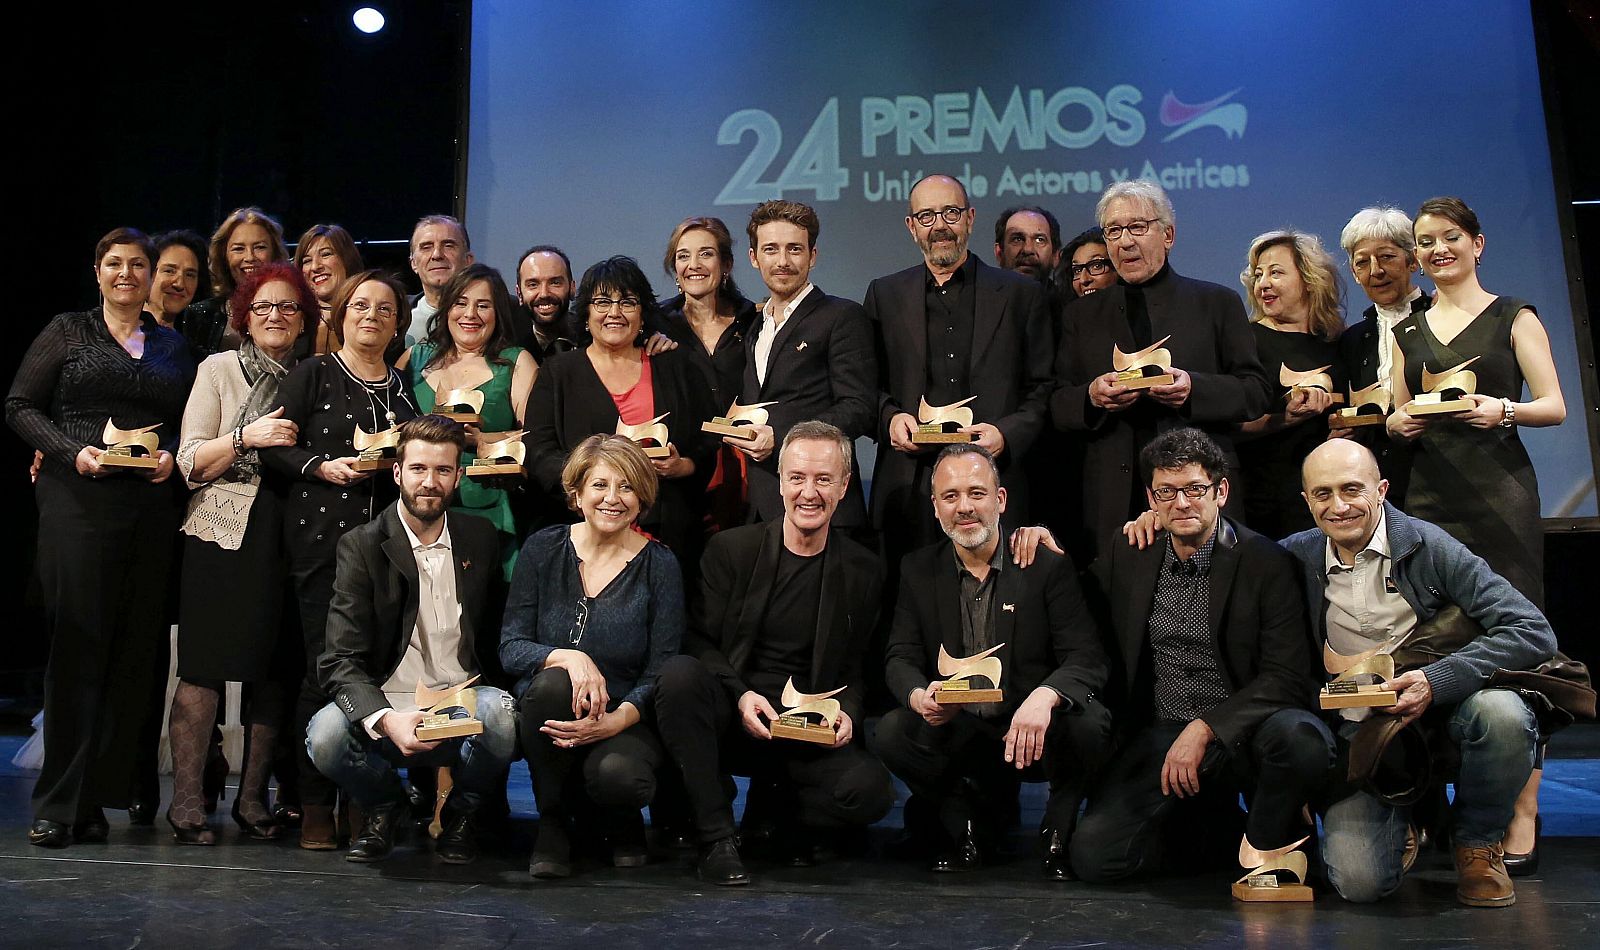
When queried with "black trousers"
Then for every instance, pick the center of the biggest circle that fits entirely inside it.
(936, 763)
(818, 786)
(105, 548)
(618, 773)
(1278, 771)
(312, 579)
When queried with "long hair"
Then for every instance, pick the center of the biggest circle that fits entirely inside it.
(1317, 273)
(438, 332)
(221, 275)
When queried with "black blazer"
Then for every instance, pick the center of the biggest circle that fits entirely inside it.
(374, 609)
(1049, 636)
(1009, 374)
(1258, 623)
(820, 367)
(724, 369)
(736, 575)
(1211, 341)
(1358, 353)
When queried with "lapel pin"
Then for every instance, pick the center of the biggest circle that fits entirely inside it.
(1010, 607)
(466, 565)
(801, 346)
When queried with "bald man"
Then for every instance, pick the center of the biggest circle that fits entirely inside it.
(1372, 575)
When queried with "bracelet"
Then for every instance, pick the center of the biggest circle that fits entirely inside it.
(1510, 418)
(238, 441)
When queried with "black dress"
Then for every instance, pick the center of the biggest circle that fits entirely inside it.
(1269, 465)
(1477, 484)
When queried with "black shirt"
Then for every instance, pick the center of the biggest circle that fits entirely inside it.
(950, 314)
(977, 614)
(724, 368)
(789, 628)
(1188, 678)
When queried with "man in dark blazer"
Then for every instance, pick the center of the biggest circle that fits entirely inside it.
(408, 610)
(1217, 378)
(950, 328)
(1212, 676)
(964, 762)
(806, 352)
(784, 601)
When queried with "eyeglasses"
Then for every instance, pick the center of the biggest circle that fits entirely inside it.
(604, 304)
(286, 307)
(1168, 493)
(362, 308)
(927, 216)
(1096, 267)
(1136, 228)
(580, 622)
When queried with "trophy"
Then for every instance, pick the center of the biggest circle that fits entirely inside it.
(738, 421)
(1358, 680)
(654, 430)
(794, 722)
(497, 459)
(463, 405)
(939, 425)
(1310, 379)
(1446, 391)
(439, 721)
(1276, 875)
(958, 672)
(376, 450)
(1150, 366)
(130, 448)
(1368, 406)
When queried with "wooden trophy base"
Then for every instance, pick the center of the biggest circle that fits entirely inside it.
(937, 436)
(1363, 697)
(1415, 408)
(465, 418)
(1140, 381)
(655, 451)
(960, 694)
(142, 463)
(496, 470)
(1271, 893)
(1339, 420)
(372, 465)
(722, 426)
(803, 730)
(443, 727)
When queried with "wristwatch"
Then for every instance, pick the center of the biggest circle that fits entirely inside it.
(1510, 418)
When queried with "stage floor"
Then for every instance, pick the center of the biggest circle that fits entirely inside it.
(141, 889)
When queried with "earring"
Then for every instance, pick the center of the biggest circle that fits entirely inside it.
(1477, 259)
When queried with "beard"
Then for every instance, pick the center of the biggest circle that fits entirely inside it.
(425, 508)
(972, 536)
(557, 320)
(944, 257)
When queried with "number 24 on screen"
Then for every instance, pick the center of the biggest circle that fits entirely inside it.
(814, 166)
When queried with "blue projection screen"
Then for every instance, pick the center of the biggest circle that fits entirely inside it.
(598, 125)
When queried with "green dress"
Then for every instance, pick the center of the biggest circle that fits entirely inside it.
(474, 497)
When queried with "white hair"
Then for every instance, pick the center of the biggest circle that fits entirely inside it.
(1379, 223)
(1141, 190)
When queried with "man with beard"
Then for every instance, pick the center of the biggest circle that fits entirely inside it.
(545, 289)
(963, 763)
(408, 607)
(1027, 240)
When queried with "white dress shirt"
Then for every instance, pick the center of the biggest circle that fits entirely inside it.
(1387, 318)
(770, 325)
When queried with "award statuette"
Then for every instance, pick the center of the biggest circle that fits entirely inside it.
(130, 448)
(1368, 407)
(958, 673)
(498, 459)
(653, 431)
(439, 707)
(1311, 379)
(1276, 875)
(375, 451)
(1358, 680)
(462, 405)
(1150, 366)
(738, 421)
(1446, 391)
(940, 425)
(794, 722)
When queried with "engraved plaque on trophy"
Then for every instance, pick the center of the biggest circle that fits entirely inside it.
(450, 713)
(653, 430)
(739, 421)
(957, 688)
(1358, 680)
(940, 425)
(1446, 391)
(1151, 366)
(1369, 406)
(1274, 876)
(807, 717)
(499, 459)
(375, 450)
(1310, 379)
(130, 448)
(462, 405)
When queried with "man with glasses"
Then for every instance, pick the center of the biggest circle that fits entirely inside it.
(1215, 681)
(1217, 379)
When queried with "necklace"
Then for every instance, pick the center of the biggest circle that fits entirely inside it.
(376, 391)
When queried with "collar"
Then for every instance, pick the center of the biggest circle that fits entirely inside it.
(997, 560)
(1377, 544)
(788, 308)
(961, 275)
(1199, 564)
(1401, 310)
(1156, 281)
(417, 545)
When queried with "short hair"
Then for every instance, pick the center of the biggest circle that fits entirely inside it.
(245, 294)
(196, 245)
(1379, 223)
(446, 219)
(344, 246)
(1094, 235)
(438, 329)
(1454, 210)
(619, 452)
(543, 249)
(621, 274)
(797, 214)
(817, 431)
(221, 275)
(435, 430)
(965, 198)
(1142, 190)
(402, 303)
(1317, 273)
(1177, 448)
(1006, 215)
(958, 449)
(132, 236)
(729, 291)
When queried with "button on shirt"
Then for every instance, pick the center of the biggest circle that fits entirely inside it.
(770, 325)
(1188, 679)
(950, 315)
(977, 615)
(1365, 607)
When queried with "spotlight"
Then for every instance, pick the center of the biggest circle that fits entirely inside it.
(367, 20)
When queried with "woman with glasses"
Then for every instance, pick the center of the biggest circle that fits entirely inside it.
(595, 609)
(1085, 266)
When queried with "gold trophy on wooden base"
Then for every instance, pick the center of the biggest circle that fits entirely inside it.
(499, 459)
(375, 451)
(130, 448)
(1310, 379)
(653, 430)
(1369, 406)
(461, 405)
(739, 420)
(1357, 680)
(1446, 391)
(941, 425)
(957, 687)
(1151, 366)
(795, 722)
(1275, 876)
(438, 723)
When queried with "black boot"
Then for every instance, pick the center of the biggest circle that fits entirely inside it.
(381, 828)
(552, 851)
(458, 840)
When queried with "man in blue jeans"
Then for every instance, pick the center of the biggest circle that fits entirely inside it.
(1372, 574)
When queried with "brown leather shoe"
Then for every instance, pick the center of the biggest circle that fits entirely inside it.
(1481, 878)
(317, 830)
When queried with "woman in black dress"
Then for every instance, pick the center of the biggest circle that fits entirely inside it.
(245, 240)
(105, 533)
(1293, 288)
(180, 276)
(327, 397)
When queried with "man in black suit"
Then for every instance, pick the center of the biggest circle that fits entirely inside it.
(964, 762)
(807, 352)
(1217, 379)
(408, 602)
(948, 329)
(789, 600)
(1214, 676)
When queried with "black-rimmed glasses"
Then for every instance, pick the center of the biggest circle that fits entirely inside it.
(927, 216)
(1168, 492)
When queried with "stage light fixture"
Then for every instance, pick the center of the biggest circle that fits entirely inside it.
(367, 19)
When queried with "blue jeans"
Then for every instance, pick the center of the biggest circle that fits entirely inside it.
(365, 767)
(1364, 840)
